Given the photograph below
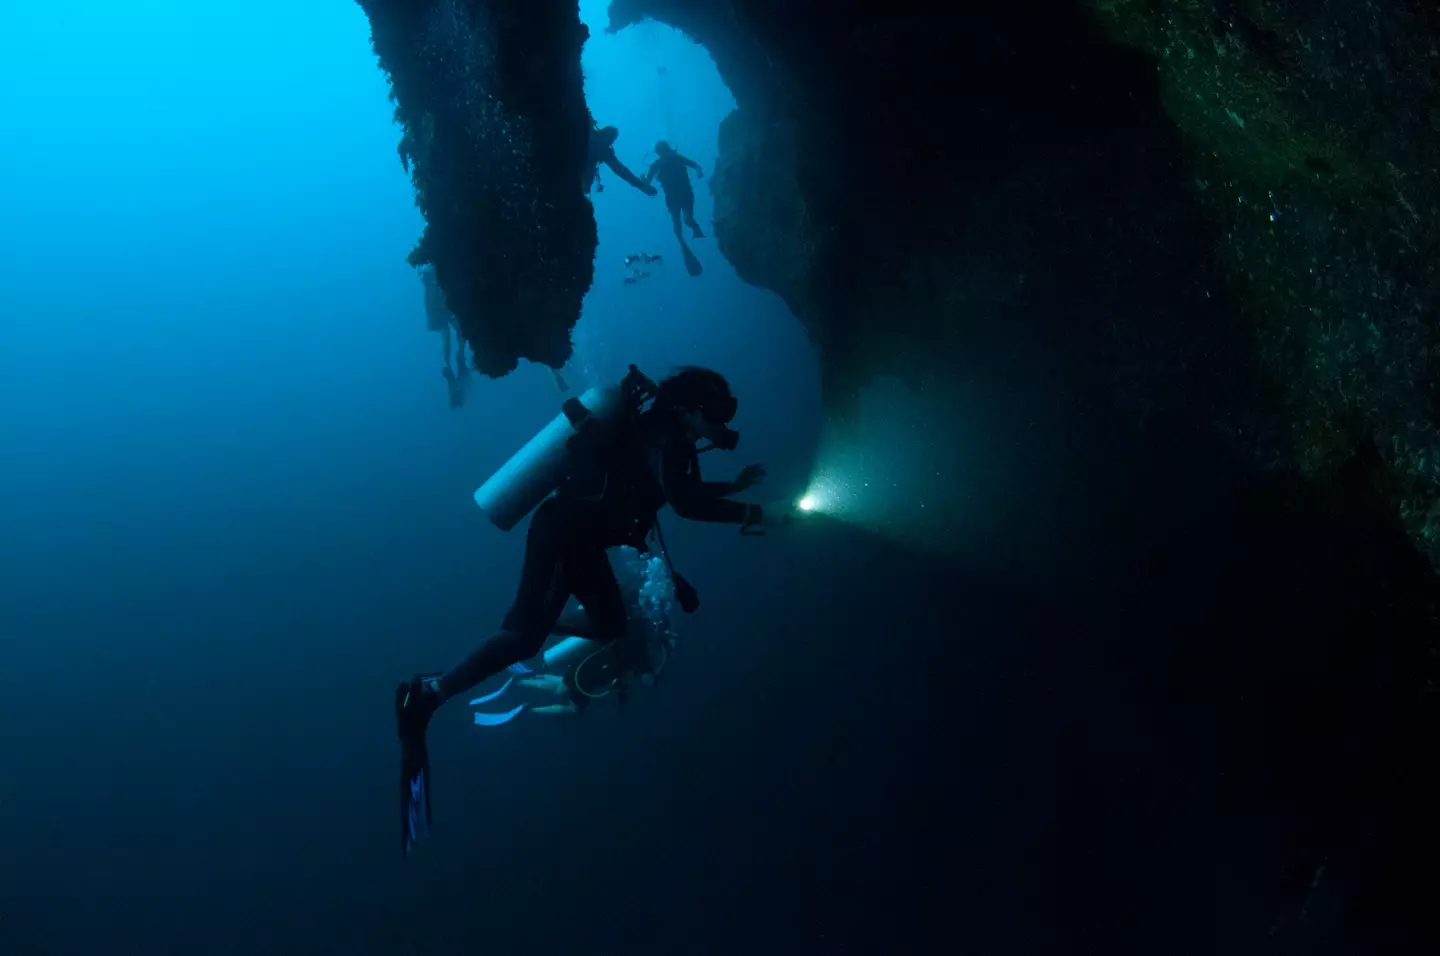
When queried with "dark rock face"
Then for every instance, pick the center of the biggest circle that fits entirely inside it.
(1208, 226)
(1312, 134)
(923, 182)
(1229, 207)
(491, 99)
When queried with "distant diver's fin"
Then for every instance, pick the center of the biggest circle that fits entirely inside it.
(692, 264)
(483, 719)
(493, 694)
(415, 806)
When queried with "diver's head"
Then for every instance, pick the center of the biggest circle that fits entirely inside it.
(662, 148)
(609, 134)
(701, 402)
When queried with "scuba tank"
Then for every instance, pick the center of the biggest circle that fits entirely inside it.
(575, 438)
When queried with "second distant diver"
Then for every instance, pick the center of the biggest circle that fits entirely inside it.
(673, 171)
(624, 470)
(440, 319)
(602, 150)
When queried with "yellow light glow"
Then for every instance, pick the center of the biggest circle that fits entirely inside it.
(807, 503)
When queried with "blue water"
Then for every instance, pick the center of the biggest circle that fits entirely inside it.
(236, 508)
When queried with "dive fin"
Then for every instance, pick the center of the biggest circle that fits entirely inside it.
(692, 264)
(493, 694)
(414, 705)
(483, 719)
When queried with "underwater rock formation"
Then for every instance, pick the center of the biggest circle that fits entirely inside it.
(1312, 134)
(1243, 193)
(491, 99)
(1209, 223)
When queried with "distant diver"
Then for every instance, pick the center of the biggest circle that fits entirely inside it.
(602, 150)
(644, 258)
(600, 473)
(673, 171)
(440, 319)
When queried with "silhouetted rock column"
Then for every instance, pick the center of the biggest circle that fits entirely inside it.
(491, 98)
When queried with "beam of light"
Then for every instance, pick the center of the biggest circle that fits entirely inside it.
(827, 493)
(900, 469)
(834, 490)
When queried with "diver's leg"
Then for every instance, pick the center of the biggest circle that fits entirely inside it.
(690, 217)
(539, 602)
(675, 221)
(579, 572)
(592, 580)
(598, 589)
(444, 331)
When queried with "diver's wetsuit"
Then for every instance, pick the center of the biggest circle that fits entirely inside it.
(673, 171)
(564, 557)
(565, 551)
(603, 151)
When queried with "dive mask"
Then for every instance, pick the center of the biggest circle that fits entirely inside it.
(718, 410)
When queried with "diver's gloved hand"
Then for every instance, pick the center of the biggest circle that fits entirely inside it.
(749, 477)
(649, 190)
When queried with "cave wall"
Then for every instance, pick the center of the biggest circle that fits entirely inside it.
(490, 97)
(1312, 132)
(1208, 224)
(1248, 235)
(924, 184)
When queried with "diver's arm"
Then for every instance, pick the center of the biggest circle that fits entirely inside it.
(624, 173)
(708, 489)
(693, 165)
(714, 489)
(702, 500)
